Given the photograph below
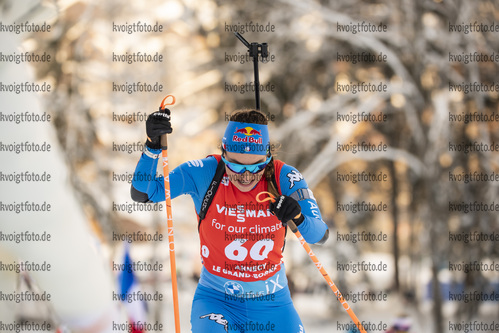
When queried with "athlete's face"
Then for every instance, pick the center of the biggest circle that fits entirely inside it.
(246, 181)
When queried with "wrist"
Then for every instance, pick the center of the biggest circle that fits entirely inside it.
(154, 143)
(299, 220)
(151, 150)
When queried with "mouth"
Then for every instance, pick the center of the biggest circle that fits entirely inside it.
(245, 181)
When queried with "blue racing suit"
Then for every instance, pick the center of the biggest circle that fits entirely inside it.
(243, 285)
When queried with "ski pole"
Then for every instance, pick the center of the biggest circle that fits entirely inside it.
(168, 200)
(318, 264)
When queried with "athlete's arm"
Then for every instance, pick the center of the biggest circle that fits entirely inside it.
(292, 184)
(192, 177)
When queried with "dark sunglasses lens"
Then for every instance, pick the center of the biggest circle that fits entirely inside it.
(235, 169)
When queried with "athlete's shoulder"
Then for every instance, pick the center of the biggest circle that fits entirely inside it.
(290, 179)
(207, 162)
(193, 177)
(204, 163)
(204, 167)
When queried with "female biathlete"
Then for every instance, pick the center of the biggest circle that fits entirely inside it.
(243, 286)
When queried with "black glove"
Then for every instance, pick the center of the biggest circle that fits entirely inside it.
(286, 208)
(157, 124)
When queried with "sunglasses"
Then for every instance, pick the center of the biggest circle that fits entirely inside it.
(242, 168)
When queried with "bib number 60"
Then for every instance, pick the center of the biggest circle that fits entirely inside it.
(259, 251)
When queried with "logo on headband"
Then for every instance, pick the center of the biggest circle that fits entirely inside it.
(247, 139)
(243, 137)
(248, 131)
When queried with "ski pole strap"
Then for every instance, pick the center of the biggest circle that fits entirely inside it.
(210, 193)
(164, 104)
(162, 108)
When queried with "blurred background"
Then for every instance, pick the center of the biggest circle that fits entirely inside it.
(100, 147)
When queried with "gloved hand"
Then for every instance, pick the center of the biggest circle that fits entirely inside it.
(286, 208)
(157, 124)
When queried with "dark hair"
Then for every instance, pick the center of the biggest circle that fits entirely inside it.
(253, 116)
(250, 116)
